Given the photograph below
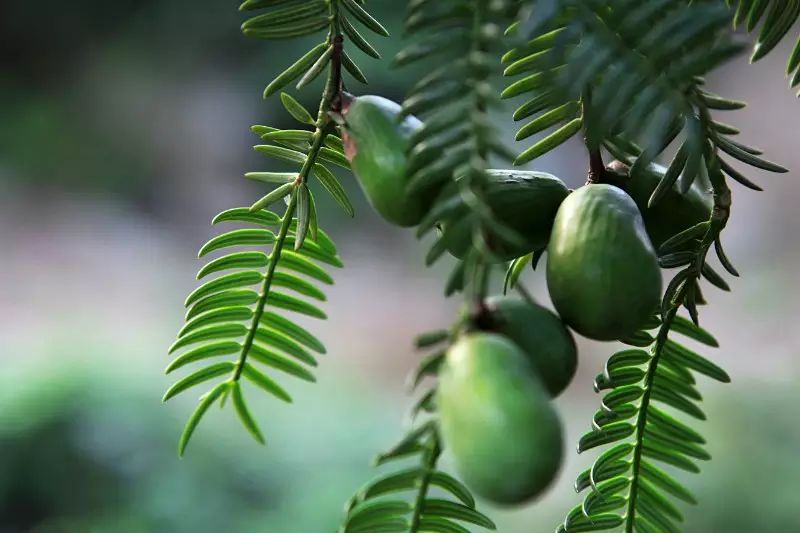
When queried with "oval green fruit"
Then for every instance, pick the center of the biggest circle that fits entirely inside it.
(674, 212)
(376, 140)
(602, 271)
(523, 201)
(541, 336)
(497, 421)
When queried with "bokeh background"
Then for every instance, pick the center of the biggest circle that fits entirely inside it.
(124, 129)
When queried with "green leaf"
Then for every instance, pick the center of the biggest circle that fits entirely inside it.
(552, 141)
(714, 278)
(568, 111)
(303, 216)
(450, 484)
(200, 376)
(297, 68)
(410, 444)
(666, 482)
(205, 351)
(216, 316)
(292, 14)
(605, 417)
(205, 402)
(431, 338)
(736, 151)
(315, 69)
(395, 482)
(244, 413)
(365, 18)
(213, 332)
(281, 153)
(609, 457)
(674, 399)
(278, 362)
(273, 196)
(695, 361)
(288, 30)
(332, 156)
(300, 285)
(313, 220)
(243, 214)
(654, 435)
(714, 101)
(290, 303)
(641, 339)
(292, 330)
(227, 281)
(627, 358)
(437, 524)
(723, 258)
(599, 522)
(667, 423)
(312, 250)
(429, 366)
(296, 109)
(358, 39)
(738, 176)
(238, 237)
(248, 5)
(679, 240)
(298, 263)
(622, 395)
(235, 260)
(277, 178)
(266, 383)
(621, 376)
(368, 512)
(457, 511)
(514, 271)
(228, 298)
(275, 338)
(610, 433)
(291, 137)
(351, 67)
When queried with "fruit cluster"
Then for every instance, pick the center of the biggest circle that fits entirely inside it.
(511, 356)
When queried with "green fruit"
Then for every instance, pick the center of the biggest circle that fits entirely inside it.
(497, 421)
(602, 271)
(541, 336)
(525, 202)
(376, 141)
(674, 212)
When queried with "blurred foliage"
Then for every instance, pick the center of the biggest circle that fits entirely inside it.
(80, 95)
(87, 449)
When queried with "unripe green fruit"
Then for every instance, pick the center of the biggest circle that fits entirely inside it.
(602, 272)
(541, 336)
(525, 202)
(497, 421)
(674, 212)
(376, 140)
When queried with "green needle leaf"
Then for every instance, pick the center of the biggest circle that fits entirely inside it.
(205, 402)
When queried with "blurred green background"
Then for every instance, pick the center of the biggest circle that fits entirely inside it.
(124, 129)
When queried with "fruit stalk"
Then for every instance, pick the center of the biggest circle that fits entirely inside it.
(597, 169)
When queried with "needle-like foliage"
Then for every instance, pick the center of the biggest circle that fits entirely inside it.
(459, 42)
(607, 67)
(776, 18)
(239, 315)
